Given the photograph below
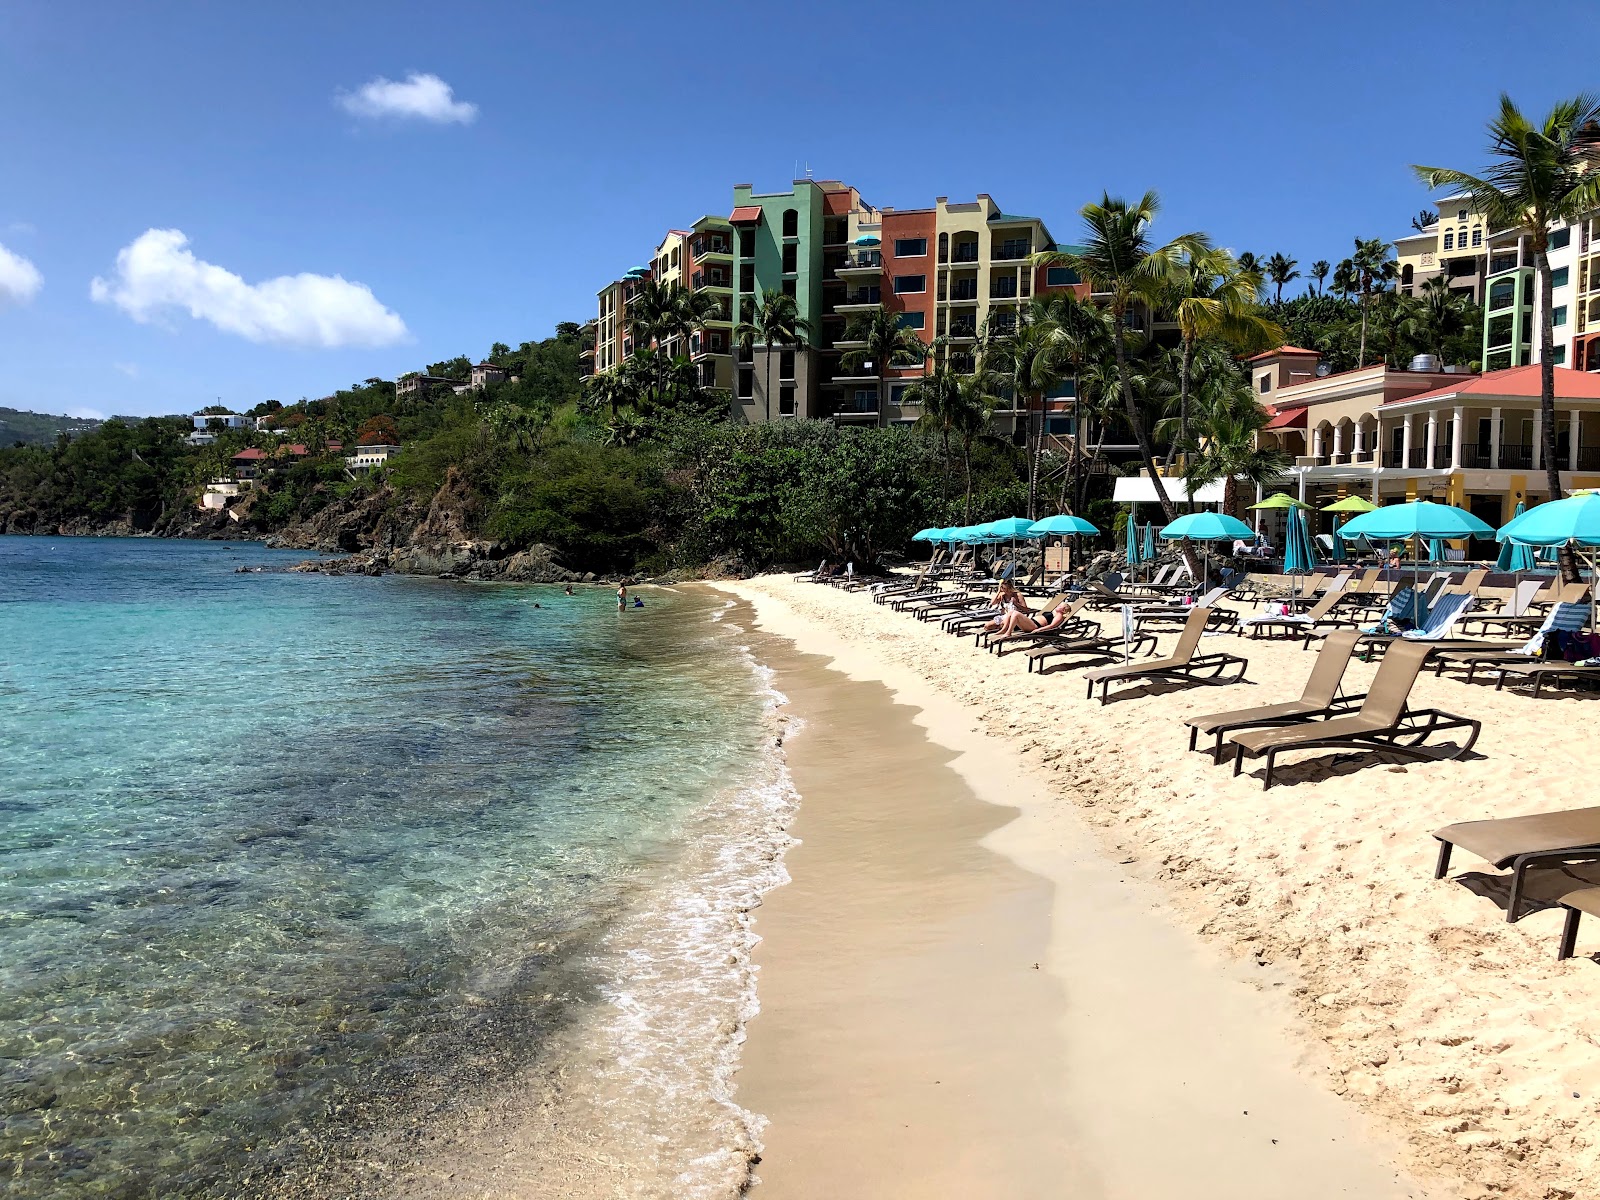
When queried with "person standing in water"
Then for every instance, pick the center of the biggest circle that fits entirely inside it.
(622, 597)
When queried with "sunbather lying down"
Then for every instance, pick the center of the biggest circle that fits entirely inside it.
(1016, 620)
(1011, 603)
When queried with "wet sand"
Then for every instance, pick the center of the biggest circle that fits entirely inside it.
(962, 995)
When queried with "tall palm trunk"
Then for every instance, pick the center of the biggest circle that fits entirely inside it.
(1361, 355)
(1147, 453)
(1547, 398)
(966, 467)
(1035, 454)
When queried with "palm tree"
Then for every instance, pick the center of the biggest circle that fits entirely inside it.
(888, 344)
(1249, 262)
(1435, 315)
(1212, 296)
(1542, 175)
(939, 394)
(613, 390)
(1281, 270)
(1319, 272)
(1120, 260)
(689, 312)
(777, 322)
(1087, 332)
(1345, 280)
(1031, 358)
(1374, 270)
(1423, 219)
(1228, 418)
(974, 406)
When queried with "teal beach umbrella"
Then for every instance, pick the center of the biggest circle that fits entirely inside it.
(1336, 552)
(1062, 525)
(1575, 519)
(1206, 527)
(1436, 550)
(1298, 556)
(1149, 541)
(1009, 528)
(1414, 519)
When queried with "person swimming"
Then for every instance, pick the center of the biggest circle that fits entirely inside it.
(622, 597)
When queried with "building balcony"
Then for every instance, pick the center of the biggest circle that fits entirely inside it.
(963, 333)
(963, 292)
(964, 256)
(866, 373)
(859, 300)
(865, 265)
(1010, 253)
(1000, 292)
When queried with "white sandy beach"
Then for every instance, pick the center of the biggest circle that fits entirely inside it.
(1220, 949)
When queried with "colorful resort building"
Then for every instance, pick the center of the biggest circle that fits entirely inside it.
(1475, 441)
(947, 271)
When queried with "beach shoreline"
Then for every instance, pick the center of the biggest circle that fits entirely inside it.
(1153, 1050)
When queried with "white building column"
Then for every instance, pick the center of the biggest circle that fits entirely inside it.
(1455, 438)
(1433, 439)
(1574, 436)
(1338, 440)
(1494, 439)
(1405, 442)
(1316, 442)
(1538, 441)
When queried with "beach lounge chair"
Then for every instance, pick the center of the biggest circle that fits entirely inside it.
(1320, 698)
(1072, 628)
(1563, 618)
(1437, 626)
(1183, 663)
(1539, 672)
(984, 636)
(1576, 889)
(1221, 618)
(1534, 611)
(1090, 647)
(1523, 844)
(1295, 623)
(1383, 723)
(1334, 583)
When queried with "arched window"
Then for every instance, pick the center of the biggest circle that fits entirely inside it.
(791, 223)
(1449, 241)
(1406, 274)
(944, 247)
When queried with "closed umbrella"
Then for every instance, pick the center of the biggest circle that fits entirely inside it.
(1514, 556)
(1436, 550)
(1350, 504)
(1131, 541)
(1206, 527)
(1150, 541)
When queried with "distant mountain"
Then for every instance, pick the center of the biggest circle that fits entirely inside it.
(40, 429)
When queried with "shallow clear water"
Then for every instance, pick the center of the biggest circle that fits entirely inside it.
(274, 846)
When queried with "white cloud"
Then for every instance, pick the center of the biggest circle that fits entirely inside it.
(422, 97)
(20, 280)
(131, 370)
(157, 273)
(86, 414)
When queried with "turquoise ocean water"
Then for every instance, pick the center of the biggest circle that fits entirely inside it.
(286, 858)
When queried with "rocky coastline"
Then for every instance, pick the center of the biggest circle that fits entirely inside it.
(375, 534)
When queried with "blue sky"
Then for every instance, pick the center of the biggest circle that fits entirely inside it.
(547, 147)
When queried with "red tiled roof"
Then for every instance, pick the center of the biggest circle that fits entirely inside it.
(249, 455)
(335, 446)
(745, 213)
(1282, 350)
(1289, 418)
(1515, 383)
(298, 449)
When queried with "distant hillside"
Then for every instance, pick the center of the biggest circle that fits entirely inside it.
(39, 428)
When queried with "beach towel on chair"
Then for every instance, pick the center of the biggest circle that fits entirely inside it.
(1443, 616)
(1406, 610)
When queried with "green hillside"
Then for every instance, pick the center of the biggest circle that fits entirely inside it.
(38, 429)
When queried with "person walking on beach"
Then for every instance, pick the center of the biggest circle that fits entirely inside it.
(622, 597)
